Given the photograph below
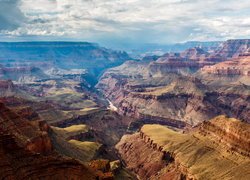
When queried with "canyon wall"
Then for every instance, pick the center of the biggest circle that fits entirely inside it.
(156, 152)
(182, 99)
(235, 67)
(18, 163)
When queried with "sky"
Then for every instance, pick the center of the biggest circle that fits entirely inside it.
(124, 21)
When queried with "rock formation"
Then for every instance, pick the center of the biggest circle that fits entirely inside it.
(173, 96)
(31, 135)
(26, 151)
(54, 124)
(66, 55)
(233, 48)
(211, 151)
(22, 74)
(235, 67)
(19, 163)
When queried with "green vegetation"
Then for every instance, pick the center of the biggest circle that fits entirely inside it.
(71, 130)
(87, 148)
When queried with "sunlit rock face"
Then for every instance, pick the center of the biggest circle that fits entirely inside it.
(191, 86)
(26, 149)
(233, 48)
(236, 67)
(157, 152)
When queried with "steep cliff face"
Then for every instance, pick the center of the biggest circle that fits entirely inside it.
(30, 148)
(235, 67)
(22, 74)
(174, 97)
(195, 53)
(233, 48)
(18, 163)
(66, 55)
(140, 157)
(181, 64)
(208, 152)
(31, 135)
(26, 150)
(7, 88)
(231, 132)
(185, 87)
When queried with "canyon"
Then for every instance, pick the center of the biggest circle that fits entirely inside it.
(157, 152)
(175, 88)
(81, 111)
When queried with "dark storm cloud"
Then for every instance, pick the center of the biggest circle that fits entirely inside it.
(11, 16)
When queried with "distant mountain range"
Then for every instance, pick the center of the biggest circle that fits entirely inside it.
(138, 51)
(66, 55)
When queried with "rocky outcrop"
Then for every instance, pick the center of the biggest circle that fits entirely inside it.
(235, 67)
(182, 99)
(22, 74)
(195, 53)
(28, 150)
(186, 62)
(18, 163)
(156, 152)
(30, 135)
(150, 160)
(231, 132)
(7, 88)
(233, 48)
(174, 66)
(181, 65)
(180, 87)
(142, 158)
(191, 60)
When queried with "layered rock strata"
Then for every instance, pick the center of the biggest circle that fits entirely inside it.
(208, 152)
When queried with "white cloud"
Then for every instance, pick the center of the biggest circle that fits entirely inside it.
(135, 20)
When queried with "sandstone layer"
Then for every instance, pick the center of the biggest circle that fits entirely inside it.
(26, 151)
(236, 67)
(18, 163)
(174, 97)
(211, 151)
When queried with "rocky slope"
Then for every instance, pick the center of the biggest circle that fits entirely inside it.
(192, 59)
(51, 115)
(233, 48)
(6, 88)
(62, 103)
(195, 53)
(18, 163)
(187, 62)
(188, 87)
(31, 135)
(235, 67)
(211, 151)
(175, 95)
(230, 132)
(26, 151)
(22, 74)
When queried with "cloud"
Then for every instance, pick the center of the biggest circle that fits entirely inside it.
(158, 21)
(10, 15)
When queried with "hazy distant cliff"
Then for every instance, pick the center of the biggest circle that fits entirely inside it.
(62, 54)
